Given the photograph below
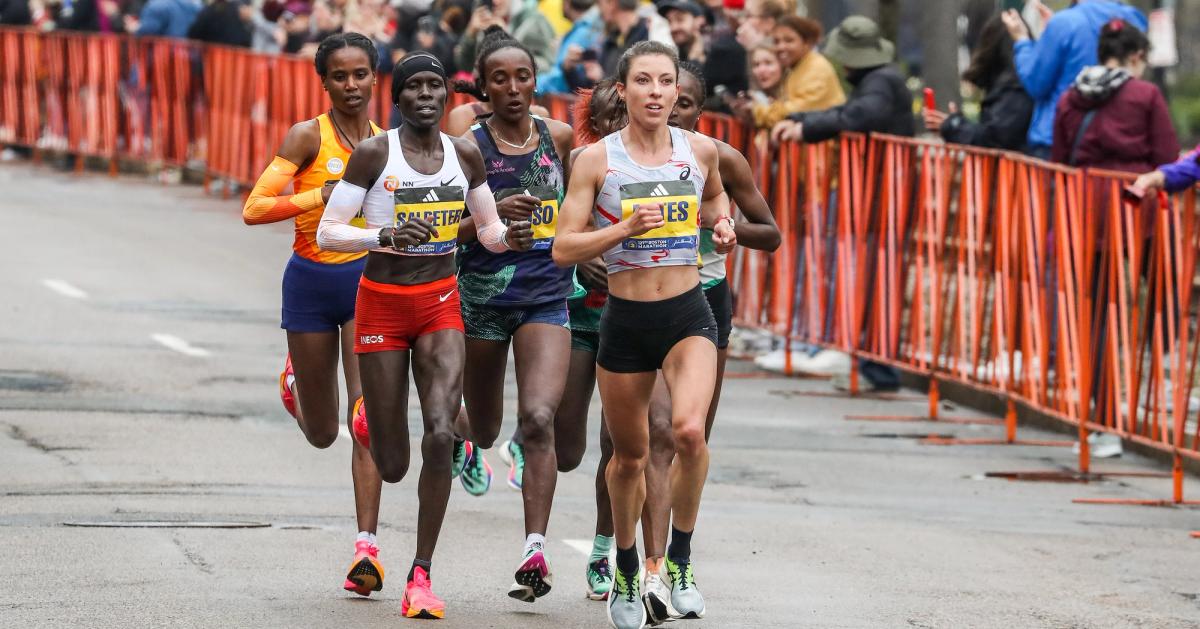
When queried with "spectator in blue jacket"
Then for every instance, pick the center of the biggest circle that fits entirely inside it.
(167, 18)
(1048, 66)
(1174, 177)
(570, 68)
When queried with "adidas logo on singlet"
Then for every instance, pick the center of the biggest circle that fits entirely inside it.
(431, 197)
(659, 191)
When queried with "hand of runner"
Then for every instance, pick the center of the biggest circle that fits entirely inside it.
(593, 274)
(326, 191)
(724, 237)
(518, 207)
(645, 218)
(415, 231)
(519, 236)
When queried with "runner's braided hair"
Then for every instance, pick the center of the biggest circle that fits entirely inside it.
(693, 68)
(494, 39)
(339, 41)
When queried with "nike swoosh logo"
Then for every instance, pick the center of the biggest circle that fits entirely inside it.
(443, 298)
(446, 183)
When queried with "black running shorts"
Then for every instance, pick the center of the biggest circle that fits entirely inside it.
(636, 336)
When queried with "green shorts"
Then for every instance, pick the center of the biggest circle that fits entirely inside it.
(500, 323)
(585, 321)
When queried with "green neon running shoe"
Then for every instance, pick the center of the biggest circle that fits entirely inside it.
(685, 598)
(625, 608)
(460, 457)
(514, 455)
(599, 579)
(476, 476)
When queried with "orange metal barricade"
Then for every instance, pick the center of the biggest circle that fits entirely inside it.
(1028, 280)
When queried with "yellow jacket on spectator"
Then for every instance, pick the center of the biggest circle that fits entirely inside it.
(811, 85)
(552, 9)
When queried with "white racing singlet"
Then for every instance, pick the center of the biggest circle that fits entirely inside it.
(678, 185)
(401, 193)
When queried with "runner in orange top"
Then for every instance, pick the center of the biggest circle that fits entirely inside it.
(319, 287)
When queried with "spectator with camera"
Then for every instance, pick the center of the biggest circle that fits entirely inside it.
(520, 18)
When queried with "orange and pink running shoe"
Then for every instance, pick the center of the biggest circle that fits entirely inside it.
(419, 600)
(361, 434)
(366, 573)
(285, 389)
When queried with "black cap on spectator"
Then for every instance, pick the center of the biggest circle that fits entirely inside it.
(686, 6)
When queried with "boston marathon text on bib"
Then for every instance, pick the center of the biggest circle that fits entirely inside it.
(680, 211)
(544, 219)
(441, 207)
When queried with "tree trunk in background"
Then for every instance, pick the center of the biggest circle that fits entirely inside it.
(939, 41)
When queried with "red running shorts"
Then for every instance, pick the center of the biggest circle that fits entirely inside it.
(390, 317)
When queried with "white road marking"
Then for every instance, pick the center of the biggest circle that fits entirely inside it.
(582, 545)
(63, 288)
(183, 347)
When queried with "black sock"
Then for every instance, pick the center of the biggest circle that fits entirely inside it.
(627, 560)
(680, 549)
(425, 565)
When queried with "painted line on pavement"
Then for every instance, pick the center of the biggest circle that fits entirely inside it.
(584, 546)
(183, 347)
(64, 288)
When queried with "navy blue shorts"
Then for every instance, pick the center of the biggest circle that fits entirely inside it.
(319, 297)
(500, 323)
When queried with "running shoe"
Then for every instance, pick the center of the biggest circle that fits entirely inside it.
(625, 608)
(462, 450)
(361, 433)
(513, 454)
(599, 579)
(366, 573)
(476, 474)
(533, 577)
(285, 387)
(685, 598)
(657, 597)
(419, 600)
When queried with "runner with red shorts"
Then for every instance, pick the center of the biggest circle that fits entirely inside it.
(412, 185)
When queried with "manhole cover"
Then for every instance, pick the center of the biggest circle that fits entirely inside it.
(15, 380)
(167, 524)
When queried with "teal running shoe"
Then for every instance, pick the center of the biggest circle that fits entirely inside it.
(461, 448)
(625, 607)
(476, 476)
(599, 579)
(514, 455)
(685, 598)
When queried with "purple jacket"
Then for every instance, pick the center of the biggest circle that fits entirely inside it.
(1182, 174)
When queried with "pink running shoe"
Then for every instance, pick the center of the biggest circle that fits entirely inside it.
(366, 573)
(533, 578)
(419, 600)
(361, 434)
(285, 389)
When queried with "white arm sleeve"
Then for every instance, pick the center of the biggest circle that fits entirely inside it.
(335, 233)
(488, 228)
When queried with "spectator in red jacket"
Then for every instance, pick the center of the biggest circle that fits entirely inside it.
(1110, 118)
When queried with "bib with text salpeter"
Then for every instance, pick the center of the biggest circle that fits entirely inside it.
(544, 219)
(441, 207)
(680, 210)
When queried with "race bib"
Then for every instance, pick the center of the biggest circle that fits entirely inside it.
(544, 219)
(680, 210)
(441, 207)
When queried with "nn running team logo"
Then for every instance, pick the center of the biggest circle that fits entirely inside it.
(680, 210)
(440, 206)
(391, 183)
(543, 220)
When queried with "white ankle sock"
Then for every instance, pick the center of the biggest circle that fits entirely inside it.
(367, 536)
(532, 539)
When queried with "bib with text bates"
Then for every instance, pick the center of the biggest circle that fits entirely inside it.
(441, 207)
(544, 219)
(680, 208)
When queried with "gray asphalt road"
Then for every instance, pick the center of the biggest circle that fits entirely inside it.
(139, 351)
